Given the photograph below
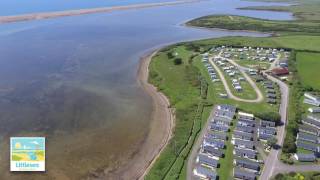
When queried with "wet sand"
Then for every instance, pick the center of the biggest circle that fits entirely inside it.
(47, 15)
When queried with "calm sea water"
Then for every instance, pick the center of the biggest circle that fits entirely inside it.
(73, 80)
(13, 7)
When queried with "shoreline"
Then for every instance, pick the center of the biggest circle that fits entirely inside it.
(268, 34)
(161, 107)
(159, 135)
(56, 14)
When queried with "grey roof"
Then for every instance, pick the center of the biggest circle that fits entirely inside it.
(245, 163)
(267, 83)
(226, 107)
(245, 153)
(217, 135)
(312, 102)
(265, 123)
(308, 146)
(272, 96)
(269, 87)
(206, 160)
(312, 96)
(243, 135)
(211, 150)
(222, 120)
(247, 129)
(244, 117)
(267, 130)
(243, 143)
(309, 129)
(218, 127)
(311, 122)
(315, 117)
(265, 136)
(271, 101)
(226, 114)
(242, 174)
(244, 122)
(214, 142)
(315, 109)
(305, 157)
(271, 91)
(308, 137)
(206, 172)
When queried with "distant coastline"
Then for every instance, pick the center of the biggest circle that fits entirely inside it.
(47, 15)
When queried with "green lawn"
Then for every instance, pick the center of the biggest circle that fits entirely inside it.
(247, 92)
(181, 84)
(253, 63)
(226, 163)
(308, 65)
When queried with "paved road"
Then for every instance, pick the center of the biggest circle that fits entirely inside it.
(273, 165)
(227, 88)
(196, 147)
(272, 159)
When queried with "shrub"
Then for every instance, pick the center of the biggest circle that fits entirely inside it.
(177, 61)
(270, 116)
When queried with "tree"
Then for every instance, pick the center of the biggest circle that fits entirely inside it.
(170, 55)
(177, 61)
(272, 142)
(270, 116)
(279, 177)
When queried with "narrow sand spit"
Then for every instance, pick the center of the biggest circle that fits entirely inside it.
(161, 128)
(46, 15)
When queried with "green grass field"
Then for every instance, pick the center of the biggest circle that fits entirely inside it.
(308, 65)
(304, 10)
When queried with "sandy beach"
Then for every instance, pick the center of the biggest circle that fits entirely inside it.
(160, 132)
(46, 15)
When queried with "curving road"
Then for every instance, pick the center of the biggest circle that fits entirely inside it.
(273, 158)
(249, 80)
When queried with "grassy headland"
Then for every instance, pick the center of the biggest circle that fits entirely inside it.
(255, 24)
(304, 10)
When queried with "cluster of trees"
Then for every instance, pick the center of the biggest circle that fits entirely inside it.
(295, 110)
(298, 176)
(269, 116)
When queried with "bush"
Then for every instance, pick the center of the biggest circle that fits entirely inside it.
(279, 177)
(177, 61)
(272, 142)
(289, 145)
(170, 55)
(270, 116)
